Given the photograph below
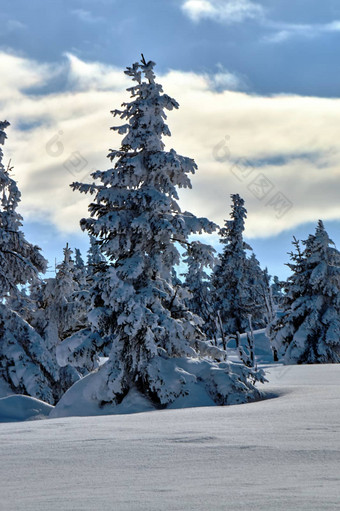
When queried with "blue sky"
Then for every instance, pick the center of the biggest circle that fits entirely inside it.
(258, 79)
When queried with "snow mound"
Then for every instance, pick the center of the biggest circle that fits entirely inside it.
(79, 401)
(198, 382)
(21, 408)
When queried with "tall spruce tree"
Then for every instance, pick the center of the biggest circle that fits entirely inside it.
(25, 362)
(137, 223)
(309, 329)
(236, 287)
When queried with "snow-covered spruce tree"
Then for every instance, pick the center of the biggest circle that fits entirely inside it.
(199, 257)
(276, 292)
(83, 348)
(235, 276)
(309, 330)
(59, 313)
(95, 261)
(79, 270)
(21, 302)
(79, 261)
(156, 341)
(260, 296)
(80, 347)
(81, 295)
(94, 255)
(25, 363)
(270, 305)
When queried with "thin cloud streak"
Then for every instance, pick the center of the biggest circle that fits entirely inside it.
(286, 31)
(239, 11)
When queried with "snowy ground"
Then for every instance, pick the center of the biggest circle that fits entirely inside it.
(279, 454)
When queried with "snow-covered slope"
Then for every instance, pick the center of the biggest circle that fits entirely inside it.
(278, 454)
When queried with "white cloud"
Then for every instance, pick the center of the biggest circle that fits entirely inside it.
(56, 138)
(198, 9)
(284, 31)
(227, 11)
(94, 75)
(224, 79)
(19, 74)
(14, 25)
(87, 16)
(334, 26)
(277, 37)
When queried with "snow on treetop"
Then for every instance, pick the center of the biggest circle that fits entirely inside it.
(145, 114)
(3, 136)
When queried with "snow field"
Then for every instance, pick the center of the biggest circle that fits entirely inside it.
(277, 454)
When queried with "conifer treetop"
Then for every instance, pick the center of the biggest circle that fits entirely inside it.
(232, 232)
(144, 115)
(3, 136)
(79, 262)
(144, 178)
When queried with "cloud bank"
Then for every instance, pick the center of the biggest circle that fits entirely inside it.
(281, 153)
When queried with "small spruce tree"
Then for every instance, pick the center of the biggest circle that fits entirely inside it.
(276, 291)
(94, 255)
(199, 258)
(237, 280)
(261, 302)
(308, 331)
(59, 312)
